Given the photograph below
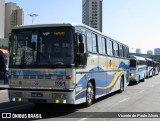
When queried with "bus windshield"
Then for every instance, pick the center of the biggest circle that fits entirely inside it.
(133, 63)
(42, 46)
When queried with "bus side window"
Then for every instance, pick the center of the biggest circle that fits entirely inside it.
(100, 47)
(84, 41)
(89, 42)
(103, 46)
(126, 51)
(115, 47)
(109, 47)
(94, 38)
(121, 54)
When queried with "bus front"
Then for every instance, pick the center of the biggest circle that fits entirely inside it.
(133, 69)
(42, 65)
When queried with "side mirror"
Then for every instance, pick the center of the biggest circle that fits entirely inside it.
(80, 38)
(81, 44)
(81, 47)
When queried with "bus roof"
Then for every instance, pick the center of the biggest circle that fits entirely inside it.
(49, 24)
(54, 24)
(137, 57)
(60, 24)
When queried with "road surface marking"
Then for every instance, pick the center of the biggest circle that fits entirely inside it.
(123, 100)
(83, 119)
(141, 91)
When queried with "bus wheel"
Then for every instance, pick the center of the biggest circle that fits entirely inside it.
(89, 94)
(121, 85)
(143, 80)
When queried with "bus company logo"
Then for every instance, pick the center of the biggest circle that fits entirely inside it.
(6, 115)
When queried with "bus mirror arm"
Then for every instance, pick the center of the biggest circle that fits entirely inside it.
(81, 44)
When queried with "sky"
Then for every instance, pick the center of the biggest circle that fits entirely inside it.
(133, 22)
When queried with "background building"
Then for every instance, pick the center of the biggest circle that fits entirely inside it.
(138, 51)
(150, 52)
(92, 13)
(2, 7)
(157, 51)
(13, 16)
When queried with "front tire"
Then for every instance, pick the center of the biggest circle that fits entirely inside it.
(121, 85)
(89, 94)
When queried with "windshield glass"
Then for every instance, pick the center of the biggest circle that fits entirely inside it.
(133, 63)
(46, 46)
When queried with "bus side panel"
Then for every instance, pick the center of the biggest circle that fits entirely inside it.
(142, 71)
(107, 79)
(83, 76)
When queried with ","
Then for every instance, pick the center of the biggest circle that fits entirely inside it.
(65, 63)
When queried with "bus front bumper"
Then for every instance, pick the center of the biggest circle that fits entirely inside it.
(59, 97)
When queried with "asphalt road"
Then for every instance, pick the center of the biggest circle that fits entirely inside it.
(144, 97)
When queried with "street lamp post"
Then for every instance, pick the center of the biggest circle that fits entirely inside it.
(33, 15)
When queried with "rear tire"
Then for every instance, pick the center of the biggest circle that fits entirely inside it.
(89, 94)
(121, 85)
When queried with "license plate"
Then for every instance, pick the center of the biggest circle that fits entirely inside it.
(35, 94)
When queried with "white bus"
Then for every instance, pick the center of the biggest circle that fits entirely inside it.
(137, 69)
(149, 67)
(65, 63)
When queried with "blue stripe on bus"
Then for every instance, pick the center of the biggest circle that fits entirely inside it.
(100, 80)
(38, 72)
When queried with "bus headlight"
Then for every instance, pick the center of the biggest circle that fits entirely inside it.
(131, 74)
